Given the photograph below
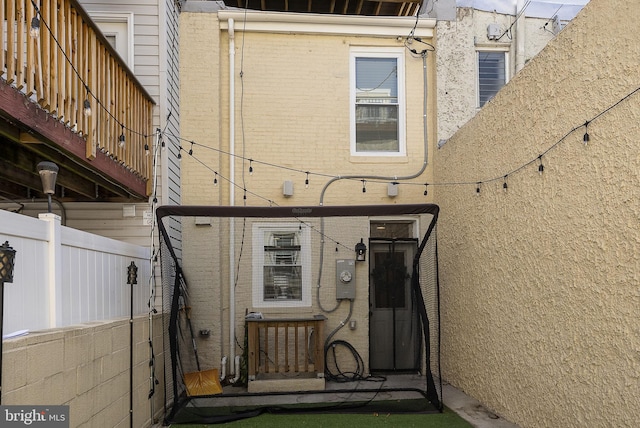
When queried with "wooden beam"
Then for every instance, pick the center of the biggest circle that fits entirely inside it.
(28, 115)
(20, 167)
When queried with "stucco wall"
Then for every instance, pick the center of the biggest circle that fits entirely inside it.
(85, 367)
(540, 283)
(457, 43)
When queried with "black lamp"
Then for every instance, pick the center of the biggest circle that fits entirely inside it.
(361, 251)
(48, 173)
(7, 260)
(132, 278)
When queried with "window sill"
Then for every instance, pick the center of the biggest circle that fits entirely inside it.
(380, 159)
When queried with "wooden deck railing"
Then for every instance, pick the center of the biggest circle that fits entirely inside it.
(286, 346)
(70, 62)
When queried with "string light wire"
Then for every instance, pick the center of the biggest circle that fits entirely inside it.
(477, 183)
(86, 104)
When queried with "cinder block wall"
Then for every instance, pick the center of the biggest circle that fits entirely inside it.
(540, 283)
(87, 368)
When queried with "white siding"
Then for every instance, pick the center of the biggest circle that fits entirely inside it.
(156, 68)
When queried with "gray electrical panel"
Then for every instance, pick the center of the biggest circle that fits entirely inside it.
(345, 279)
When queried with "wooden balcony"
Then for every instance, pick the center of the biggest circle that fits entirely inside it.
(46, 81)
(284, 354)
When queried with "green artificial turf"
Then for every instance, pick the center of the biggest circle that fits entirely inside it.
(447, 419)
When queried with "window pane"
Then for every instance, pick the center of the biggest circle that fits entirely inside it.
(377, 78)
(377, 104)
(283, 283)
(491, 74)
(377, 128)
(282, 272)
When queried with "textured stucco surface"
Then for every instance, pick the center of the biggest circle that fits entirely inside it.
(457, 43)
(540, 283)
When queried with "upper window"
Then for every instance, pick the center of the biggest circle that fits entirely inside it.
(281, 265)
(492, 74)
(377, 100)
(118, 30)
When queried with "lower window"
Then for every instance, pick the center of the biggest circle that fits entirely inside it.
(281, 265)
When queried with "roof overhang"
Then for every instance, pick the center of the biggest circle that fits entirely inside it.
(310, 23)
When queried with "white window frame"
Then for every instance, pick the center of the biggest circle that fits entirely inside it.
(120, 25)
(482, 50)
(378, 52)
(258, 256)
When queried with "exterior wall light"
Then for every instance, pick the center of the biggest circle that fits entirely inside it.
(361, 251)
(48, 174)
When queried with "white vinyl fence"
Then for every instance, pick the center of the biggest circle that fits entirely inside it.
(64, 276)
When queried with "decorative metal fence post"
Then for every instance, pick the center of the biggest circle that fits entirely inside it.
(132, 278)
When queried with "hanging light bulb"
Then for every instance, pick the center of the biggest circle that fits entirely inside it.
(364, 186)
(179, 153)
(426, 191)
(306, 181)
(87, 107)
(585, 137)
(478, 188)
(250, 166)
(191, 149)
(122, 138)
(541, 166)
(504, 185)
(35, 27)
(245, 195)
(146, 149)
(215, 179)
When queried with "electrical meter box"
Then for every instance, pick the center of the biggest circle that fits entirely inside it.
(345, 279)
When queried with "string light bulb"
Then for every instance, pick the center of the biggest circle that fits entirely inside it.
(215, 179)
(250, 166)
(121, 139)
(478, 188)
(146, 149)
(191, 149)
(179, 153)
(426, 190)
(505, 186)
(87, 107)
(541, 166)
(585, 137)
(306, 181)
(35, 27)
(364, 186)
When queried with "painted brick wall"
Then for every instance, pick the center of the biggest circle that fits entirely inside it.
(87, 368)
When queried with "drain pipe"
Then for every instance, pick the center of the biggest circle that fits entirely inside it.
(232, 148)
(223, 368)
(237, 369)
(520, 35)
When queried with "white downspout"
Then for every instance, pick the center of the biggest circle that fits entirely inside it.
(520, 36)
(232, 148)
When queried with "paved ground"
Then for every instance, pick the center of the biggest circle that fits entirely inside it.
(468, 408)
(472, 410)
